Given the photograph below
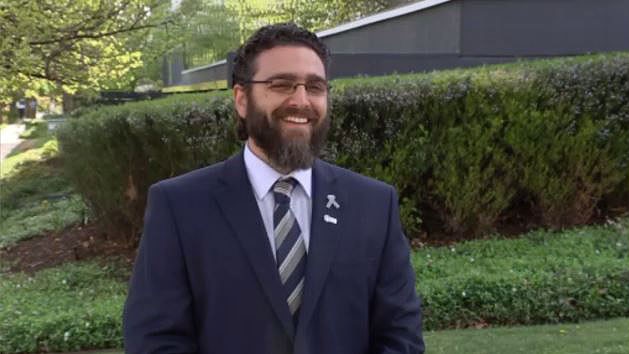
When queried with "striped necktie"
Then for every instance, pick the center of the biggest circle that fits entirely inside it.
(290, 250)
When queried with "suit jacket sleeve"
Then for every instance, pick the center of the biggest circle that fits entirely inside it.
(396, 321)
(158, 313)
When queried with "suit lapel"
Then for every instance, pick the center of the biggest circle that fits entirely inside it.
(324, 236)
(239, 206)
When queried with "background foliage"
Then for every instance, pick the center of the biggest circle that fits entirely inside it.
(71, 45)
(471, 151)
(542, 277)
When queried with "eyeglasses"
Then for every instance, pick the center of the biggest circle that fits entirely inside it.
(288, 87)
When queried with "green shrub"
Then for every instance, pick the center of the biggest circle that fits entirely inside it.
(543, 277)
(72, 307)
(114, 154)
(469, 150)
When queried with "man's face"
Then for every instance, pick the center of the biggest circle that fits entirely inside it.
(285, 128)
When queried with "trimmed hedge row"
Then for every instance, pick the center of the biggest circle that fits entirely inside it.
(543, 277)
(542, 143)
(68, 308)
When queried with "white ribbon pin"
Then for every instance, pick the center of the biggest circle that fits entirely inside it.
(329, 219)
(332, 202)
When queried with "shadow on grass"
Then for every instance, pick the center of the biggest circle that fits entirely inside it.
(29, 144)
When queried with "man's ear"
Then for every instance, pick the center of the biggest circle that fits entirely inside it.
(240, 100)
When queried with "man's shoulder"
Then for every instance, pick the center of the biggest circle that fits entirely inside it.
(354, 179)
(198, 179)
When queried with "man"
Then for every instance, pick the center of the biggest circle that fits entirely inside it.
(274, 251)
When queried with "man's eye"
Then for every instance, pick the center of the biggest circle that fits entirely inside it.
(316, 87)
(281, 85)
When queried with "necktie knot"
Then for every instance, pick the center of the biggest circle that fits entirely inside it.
(282, 190)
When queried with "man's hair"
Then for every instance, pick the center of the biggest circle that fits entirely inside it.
(272, 36)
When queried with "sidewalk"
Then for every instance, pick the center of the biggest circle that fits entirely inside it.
(10, 138)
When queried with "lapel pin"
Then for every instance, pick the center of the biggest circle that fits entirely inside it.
(329, 219)
(332, 202)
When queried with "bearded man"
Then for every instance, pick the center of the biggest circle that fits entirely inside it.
(274, 251)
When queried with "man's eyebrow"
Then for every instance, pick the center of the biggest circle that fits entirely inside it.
(288, 76)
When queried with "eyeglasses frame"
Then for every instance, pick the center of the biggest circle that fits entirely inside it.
(295, 85)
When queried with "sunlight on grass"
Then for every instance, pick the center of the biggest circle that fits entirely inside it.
(611, 337)
(35, 196)
(29, 150)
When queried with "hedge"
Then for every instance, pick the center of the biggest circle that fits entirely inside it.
(542, 277)
(68, 308)
(514, 146)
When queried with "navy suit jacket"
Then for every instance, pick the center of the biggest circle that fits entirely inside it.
(205, 280)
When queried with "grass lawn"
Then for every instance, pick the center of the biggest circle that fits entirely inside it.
(610, 337)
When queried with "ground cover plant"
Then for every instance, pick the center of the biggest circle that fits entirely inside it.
(67, 308)
(35, 195)
(542, 277)
(510, 147)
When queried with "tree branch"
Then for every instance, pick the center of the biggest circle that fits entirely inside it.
(97, 35)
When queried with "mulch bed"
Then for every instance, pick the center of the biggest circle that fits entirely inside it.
(75, 243)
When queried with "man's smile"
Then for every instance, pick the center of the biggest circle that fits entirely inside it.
(296, 120)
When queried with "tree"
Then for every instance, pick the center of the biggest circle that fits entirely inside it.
(315, 15)
(49, 45)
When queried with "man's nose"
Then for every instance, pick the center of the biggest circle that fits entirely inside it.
(299, 98)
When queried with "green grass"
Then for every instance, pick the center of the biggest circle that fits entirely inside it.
(36, 128)
(610, 337)
(35, 196)
(604, 337)
(38, 149)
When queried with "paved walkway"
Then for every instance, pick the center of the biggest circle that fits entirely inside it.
(10, 138)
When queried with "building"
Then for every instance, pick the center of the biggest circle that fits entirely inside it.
(441, 34)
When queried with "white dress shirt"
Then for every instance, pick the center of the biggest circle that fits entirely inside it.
(262, 177)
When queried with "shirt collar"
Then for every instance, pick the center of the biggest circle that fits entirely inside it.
(263, 176)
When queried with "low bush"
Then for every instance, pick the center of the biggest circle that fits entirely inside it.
(471, 151)
(72, 307)
(114, 154)
(543, 277)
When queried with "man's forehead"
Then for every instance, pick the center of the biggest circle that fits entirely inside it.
(289, 60)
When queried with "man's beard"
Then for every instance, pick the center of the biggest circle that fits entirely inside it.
(287, 152)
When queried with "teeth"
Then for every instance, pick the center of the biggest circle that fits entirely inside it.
(296, 120)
